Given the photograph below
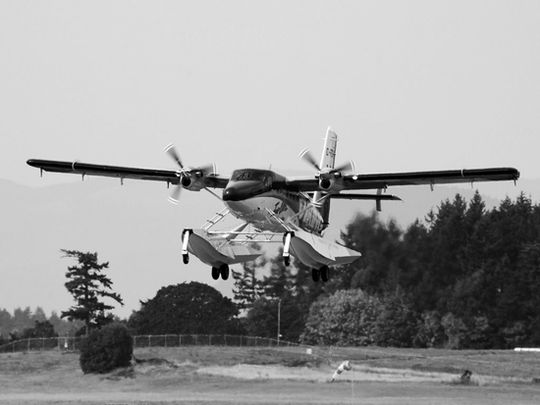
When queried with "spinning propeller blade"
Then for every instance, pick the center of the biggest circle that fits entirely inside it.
(174, 198)
(308, 157)
(345, 167)
(171, 151)
(206, 169)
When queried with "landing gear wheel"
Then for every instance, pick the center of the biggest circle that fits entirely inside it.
(224, 270)
(185, 258)
(287, 260)
(215, 273)
(315, 274)
(325, 273)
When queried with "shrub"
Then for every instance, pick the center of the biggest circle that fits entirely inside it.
(455, 330)
(345, 318)
(430, 332)
(396, 323)
(106, 349)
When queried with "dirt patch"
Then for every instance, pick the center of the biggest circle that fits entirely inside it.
(358, 373)
(323, 374)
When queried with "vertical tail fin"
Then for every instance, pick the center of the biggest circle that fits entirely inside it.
(328, 160)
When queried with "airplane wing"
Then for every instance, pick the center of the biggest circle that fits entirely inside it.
(384, 180)
(89, 169)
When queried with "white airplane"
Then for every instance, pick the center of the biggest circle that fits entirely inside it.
(293, 211)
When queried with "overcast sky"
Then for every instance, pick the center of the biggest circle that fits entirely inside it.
(407, 85)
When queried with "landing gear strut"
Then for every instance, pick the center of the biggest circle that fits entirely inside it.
(286, 247)
(185, 242)
(320, 274)
(222, 271)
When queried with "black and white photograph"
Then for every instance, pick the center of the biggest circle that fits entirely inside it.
(269, 202)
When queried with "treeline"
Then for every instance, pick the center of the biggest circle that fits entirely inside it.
(465, 277)
(25, 323)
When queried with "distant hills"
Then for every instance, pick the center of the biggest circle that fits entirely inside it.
(138, 232)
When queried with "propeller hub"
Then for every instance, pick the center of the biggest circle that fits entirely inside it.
(186, 181)
(325, 183)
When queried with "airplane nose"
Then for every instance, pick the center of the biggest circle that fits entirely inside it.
(227, 195)
(230, 194)
(239, 191)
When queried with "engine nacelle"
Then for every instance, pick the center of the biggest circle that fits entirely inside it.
(331, 182)
(326, 183)
(193, 181)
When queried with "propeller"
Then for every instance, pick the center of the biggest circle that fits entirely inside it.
(174, 197)
(187, 175)
(171, 151)
(306, 155)
(347, 167)
(326, 175)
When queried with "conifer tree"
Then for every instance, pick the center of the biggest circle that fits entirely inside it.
(88, 286)
(247, 288)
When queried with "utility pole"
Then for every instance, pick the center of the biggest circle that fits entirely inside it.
(278, 320)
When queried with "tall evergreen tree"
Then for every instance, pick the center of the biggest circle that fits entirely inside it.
(380, 267)
(88, 286)
(247, 287)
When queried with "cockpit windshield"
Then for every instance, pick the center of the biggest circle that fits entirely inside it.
(249, 174)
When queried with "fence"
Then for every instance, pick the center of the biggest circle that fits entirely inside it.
(73, 343)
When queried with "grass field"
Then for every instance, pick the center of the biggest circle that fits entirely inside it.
(231, 375)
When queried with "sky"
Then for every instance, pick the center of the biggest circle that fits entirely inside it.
(416, 85)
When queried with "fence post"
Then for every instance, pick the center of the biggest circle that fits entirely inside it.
(209, 340)
(27, 345)
(179, 340)
(149, 340)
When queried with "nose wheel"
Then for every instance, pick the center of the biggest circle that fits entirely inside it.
(286, 247)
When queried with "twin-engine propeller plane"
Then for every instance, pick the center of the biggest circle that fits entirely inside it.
(293, 211)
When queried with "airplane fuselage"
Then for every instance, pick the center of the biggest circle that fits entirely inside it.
(255, 196)
(290, 208)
